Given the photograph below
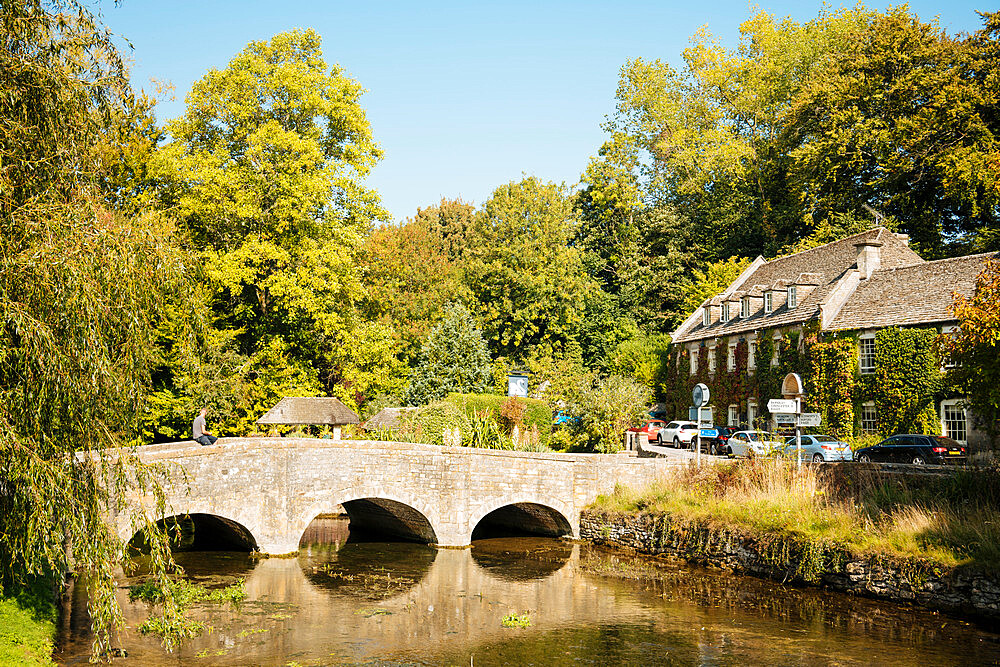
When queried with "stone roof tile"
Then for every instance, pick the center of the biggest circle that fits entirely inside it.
(919, 294)
(830, 262)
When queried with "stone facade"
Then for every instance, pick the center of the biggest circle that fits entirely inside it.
(968, 593)
(273, 487)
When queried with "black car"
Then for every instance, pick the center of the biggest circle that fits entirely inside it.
(912, 448)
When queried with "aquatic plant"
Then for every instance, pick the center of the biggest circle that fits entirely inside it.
(512, 620)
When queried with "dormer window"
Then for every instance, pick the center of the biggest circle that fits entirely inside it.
(793, 299)
(725, 312)
(745, 307)
(707, 317)
(767, 302)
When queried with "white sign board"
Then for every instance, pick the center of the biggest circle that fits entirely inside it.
(810, 419)
(780, 418)
(789, 405)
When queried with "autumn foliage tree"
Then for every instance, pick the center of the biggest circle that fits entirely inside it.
(972, 352)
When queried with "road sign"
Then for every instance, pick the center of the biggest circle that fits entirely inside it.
(810, 419)
(787, 405)
(781, 418)
(701, 395)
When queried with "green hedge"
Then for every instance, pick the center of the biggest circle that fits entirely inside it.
(428, 423)
(536, 412)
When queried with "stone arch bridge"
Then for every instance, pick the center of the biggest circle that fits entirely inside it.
(266, 491)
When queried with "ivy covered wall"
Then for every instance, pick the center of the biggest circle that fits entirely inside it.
(905, 387)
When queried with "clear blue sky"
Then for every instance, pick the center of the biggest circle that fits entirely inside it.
(462, 96)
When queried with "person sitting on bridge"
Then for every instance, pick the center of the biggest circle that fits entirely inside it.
(199, 433)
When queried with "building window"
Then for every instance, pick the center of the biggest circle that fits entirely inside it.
(866, 353)
(725, 312)
(706, 317)
(767, 302)
(751, 355)
(745, 307)
(777, 351)
(711, 360)
(751, 412)
(731, 357)
(869, 424)
(793, 297)
(953, 421)
(949, 330)
(734, 415)
(694, 361)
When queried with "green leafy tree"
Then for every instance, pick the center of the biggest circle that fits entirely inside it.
(972, 353)
(81, 293)
(716, 277)
(895, 118)
(266, 172)
(528, 280)
(408, 277)
(800, 122)
(605, 410)
(454, 358)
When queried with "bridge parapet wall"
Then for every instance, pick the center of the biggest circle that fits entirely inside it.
(276, 486)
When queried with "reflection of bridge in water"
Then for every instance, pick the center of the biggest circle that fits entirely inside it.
(261, 493)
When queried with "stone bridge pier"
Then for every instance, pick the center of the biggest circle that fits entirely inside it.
(268, 490)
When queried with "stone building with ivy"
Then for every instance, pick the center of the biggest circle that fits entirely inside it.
(857, 318)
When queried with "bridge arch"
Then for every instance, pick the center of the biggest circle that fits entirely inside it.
(200, 531)
(532, 516)
(399, 515)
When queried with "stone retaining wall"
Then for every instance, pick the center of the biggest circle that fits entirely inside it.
(961, 592)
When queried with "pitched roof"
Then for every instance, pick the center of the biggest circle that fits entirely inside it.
(309, 410)
(386, 418)
(918, 294)
(822, 266)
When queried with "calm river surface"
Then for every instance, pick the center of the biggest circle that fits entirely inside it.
(343, 602)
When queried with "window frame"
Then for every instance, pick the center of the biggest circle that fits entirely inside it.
(711, 359)
(751, 355)
(694, 361)
(864, 341)
(745, 307)
(767, 302)
(872, 422)
(793, 297)
(733, 416)
(706, 318)
(945, 431)
(725, 312)
(731, 357)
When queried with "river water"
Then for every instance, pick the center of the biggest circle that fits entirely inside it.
(346, 601)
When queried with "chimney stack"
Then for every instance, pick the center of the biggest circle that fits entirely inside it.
(869, 257)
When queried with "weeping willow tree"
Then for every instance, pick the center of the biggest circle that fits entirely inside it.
(81, 289)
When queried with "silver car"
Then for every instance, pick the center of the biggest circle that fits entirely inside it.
(820, 448)
(752, 443)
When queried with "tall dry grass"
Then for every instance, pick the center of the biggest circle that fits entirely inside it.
(952, 519)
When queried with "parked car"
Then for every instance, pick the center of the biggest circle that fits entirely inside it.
(677, 433)
(722, 439)
(711, 440)
(819, 448)
(752, 443)
(914, 448)
(650, 427)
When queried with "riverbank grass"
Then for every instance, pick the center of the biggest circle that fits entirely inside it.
(951, 520)
(27, 632)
